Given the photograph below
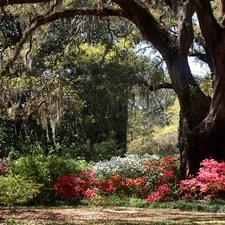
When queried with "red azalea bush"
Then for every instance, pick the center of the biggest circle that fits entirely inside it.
(160, 194)
(157, 182)
(68, 186)
(128, 186)
(83, 186)
(162, 178)
(209, 182)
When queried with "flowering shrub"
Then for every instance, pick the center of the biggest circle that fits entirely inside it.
(45, 170)
(156, 181)
(129, 166)
(72, 186)
(160, 194)
(90, 193)
(209, 182)
(68, 186)
(161, 178)
(128, 186)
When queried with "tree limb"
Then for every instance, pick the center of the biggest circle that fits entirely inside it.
(155, 87)
(14, 2)
(52, 17)
(151, 29)
(211, 30)
(160, 86)
(205, 57)
(185, 29)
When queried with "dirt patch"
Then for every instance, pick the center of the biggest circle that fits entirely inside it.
(115, 215)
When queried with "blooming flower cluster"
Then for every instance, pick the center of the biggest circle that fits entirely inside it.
(129, 166)
(162, 191)
(84, 186)
(68, 186)
(209, 182)
(162, 177)
(154, 183)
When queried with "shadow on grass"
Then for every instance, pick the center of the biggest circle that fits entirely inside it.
(94, 215)
(204, 220)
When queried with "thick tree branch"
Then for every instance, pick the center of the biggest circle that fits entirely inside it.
(211, 30)
(13, 2)
(205, 57)
(160, 86)
(151, 29)
(185, 29)
(52, 17)
(223, 12)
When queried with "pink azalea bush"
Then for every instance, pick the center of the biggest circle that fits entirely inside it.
(209, 182)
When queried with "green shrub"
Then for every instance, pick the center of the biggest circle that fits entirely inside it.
(46, 170)
(17, 189)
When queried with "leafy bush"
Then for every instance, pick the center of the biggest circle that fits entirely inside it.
(46, 170)
(162, 178)
(16, 189)
(106, 149)
(209, 182)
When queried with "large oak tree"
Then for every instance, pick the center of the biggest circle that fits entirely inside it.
(202, 125)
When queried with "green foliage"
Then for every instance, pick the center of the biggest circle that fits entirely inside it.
(105, 150)
(15, 189)
(166, 136)
(5, 137)
(74, 89)
(156, 135)
(206, 84)
(29, 145)
(45, 170)
(13, 221)
(115, 200)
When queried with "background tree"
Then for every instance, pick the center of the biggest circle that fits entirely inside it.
(74, 94)
(201, 126)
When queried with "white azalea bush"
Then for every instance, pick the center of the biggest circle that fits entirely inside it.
(127, 166)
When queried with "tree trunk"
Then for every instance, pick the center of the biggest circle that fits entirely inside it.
(194, 108)
(208, 139)
(122, 123)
